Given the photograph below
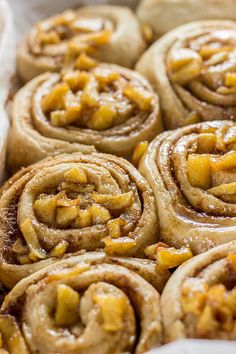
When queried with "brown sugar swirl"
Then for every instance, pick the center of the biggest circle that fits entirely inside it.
(69, 203)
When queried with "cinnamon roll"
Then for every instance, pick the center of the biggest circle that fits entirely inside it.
(72, 202)
(193, 69)
(109, 33)
(203, 303)
(101, 105)
(192, 173)
(164, 15)
(61, 307)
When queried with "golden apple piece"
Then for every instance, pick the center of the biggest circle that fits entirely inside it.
(199, 171)
(217, 58)
(84, 62)
(114, 228)
(112, 310)
(232, 261)
(99, 214)
(114, 201)
(76, 79)
(54, 99)
(65, 215)
(106, 76)
(90, 96)
(51, 37)
(140, 96)
(65, 19)
(147, 33)
(67, 307)
(31, 239)
(207, 322)
(193, 304)
(227, 161)
(139, 151)
(118, 246)
(99, 38)
(230, 79)
(225, 191)
(206, 143)
(172, 257)
(84, 218)
(60, 249)
(231, 301)
(208, 51)
(76, 175)
(103, 118)
(45, 208)
(184, 65)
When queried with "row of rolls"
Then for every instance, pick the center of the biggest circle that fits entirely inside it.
(90, 87)
(117, 237)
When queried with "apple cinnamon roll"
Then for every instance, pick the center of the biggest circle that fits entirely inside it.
(109, 33)
(61, 307)
(164, 15)
(101, 105)
(203, 304)
(192, 173)
(69, 203)
(193, 69)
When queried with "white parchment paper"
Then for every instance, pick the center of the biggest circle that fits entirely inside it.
(7, 68)
(197, 347)
(27, 12)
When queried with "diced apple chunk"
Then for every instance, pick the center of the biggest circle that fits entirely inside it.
(77, 175)
(199, 171)
(67, 308)
(114, 201)
(172, 257)
(112, 310)
(65, 215)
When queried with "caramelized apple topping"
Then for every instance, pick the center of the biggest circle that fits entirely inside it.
(139, 151)
(206, 143)
(115, 246)
(232, 261)
(205, 62)
(114, 202)
(199, 171)
(31, 239)
(95, 97)
(213, 306)
(60, 249)
(74, 204)
(112, 310)
(184, 65)
(166, 256)
(211, 162)
(229, 84)
(63, 211)
(90, 31)
(147, 33)
(67, 307)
